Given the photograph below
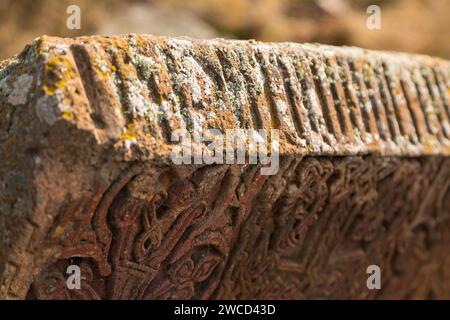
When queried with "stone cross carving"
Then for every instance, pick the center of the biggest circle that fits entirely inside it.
(87, 180)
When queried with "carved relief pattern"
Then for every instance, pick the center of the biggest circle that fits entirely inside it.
(309, 231)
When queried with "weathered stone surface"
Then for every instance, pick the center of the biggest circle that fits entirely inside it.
(86, 177)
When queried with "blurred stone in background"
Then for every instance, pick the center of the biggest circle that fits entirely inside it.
(150, 19)
(407, 25)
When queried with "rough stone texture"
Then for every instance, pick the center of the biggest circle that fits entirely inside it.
(86, 176)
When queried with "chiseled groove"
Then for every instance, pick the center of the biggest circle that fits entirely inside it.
(412, 101)
(375, 99)
(304, 87)
(439, 81)
(426, 105)
(364, 103)
(250, 84)
(278, 96)
(93, 88)
(155, 96)
(291, 96)
(338, 94)
(151, 85)
(132, 76)
(232, 79)
(286, 109)
(120, 83)
(172, 68)
(162, 92)
(212, 68)
(314, 109)
(437, 103)
(326, 79)
(403, 116)
(313, 98)
(260, 105)
(323, 92)
(263, 65)
(83, 64)
(387, 102)
(352, 99)
(299, 100)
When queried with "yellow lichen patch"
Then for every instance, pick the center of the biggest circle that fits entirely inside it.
(57, 71)
(67, 115)
(130, 132)
(159, 100)
(430, 144)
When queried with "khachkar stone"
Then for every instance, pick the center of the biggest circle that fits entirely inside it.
(87, 178)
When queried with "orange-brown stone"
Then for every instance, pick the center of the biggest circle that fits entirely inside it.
(87, 178)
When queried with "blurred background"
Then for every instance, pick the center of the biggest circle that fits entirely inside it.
(406, 25)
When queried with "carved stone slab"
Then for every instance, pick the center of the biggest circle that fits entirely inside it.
(86, 177)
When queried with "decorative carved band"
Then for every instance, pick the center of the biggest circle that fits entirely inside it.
(227, 232)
